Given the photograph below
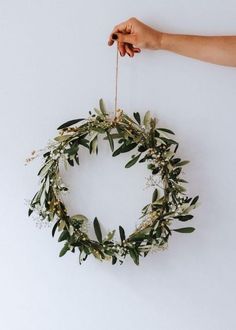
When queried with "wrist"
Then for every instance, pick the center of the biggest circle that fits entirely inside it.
(164, 40)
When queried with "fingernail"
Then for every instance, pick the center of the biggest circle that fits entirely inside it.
(114, 36)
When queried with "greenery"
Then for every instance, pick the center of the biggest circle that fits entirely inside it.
(149, 143)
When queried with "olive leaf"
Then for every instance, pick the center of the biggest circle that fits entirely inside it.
(62, 138)
(146, 119)
(102, 107)
(194, 201)
(184, 217)
(63, 236)
(83, 142)
(132, 161)
(97, 230)
(137, 117)
(65, 248)
(70, 123)
(124, 148)
(184, 230)
(122, 233)
(93, 145)
(55, 227)
(166, 130)
(110, 139)
(184, 162)
(134, 255)
(155, 195)
(114, 260)
(128, 147)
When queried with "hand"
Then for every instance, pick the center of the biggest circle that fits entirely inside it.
(132, 35)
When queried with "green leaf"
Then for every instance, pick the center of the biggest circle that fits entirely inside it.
(93, 146)
(64, 236)
(184, 230)
(182, 180)
(132, 161)
(134, 255)
(143, 159)
(117, 151)
(147, 119)
(102, 107)
(70, 123)
(110, 141)
(128, 147)
(73, 150)
(166, 130)
(55, 227)
(30, 211)
(114, 260)
(122, 233)
(140, 235)
(70, 161)
(184, 162)
(64, 250)
(154, 195)
(184, 217)
(194, 201)
(62, 138)
(169, 141)
(97, 229)
(137, 117)
(77, 159)
(84, 142)
(45, 168)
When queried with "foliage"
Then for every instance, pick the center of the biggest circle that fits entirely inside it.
(148, 143)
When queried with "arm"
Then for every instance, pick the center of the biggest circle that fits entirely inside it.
(214, 49)
(133, 35)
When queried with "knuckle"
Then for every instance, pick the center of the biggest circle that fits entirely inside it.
(132, 19)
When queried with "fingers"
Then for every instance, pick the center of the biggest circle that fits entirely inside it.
(122, 48)
(124, 44)
(126, 48)
(125, 37)
(121, 37)
(124, 27)
(130, 50)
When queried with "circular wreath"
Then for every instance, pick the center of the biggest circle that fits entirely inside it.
(152, 145)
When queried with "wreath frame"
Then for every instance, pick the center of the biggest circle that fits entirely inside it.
(153, 145)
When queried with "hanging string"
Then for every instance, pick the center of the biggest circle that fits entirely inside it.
(116, 80)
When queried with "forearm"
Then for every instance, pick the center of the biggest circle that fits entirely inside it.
(214, 49)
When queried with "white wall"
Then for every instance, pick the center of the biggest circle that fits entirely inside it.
(54, 66)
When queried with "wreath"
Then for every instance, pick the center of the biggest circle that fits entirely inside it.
(149, 143)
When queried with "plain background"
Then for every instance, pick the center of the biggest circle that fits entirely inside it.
(54, 66)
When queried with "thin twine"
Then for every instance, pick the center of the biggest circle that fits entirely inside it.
(116, 80)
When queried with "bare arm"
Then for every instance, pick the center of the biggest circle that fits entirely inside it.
(214, 49)
(133, 35)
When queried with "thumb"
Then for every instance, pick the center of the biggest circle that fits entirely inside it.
(121, 37)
